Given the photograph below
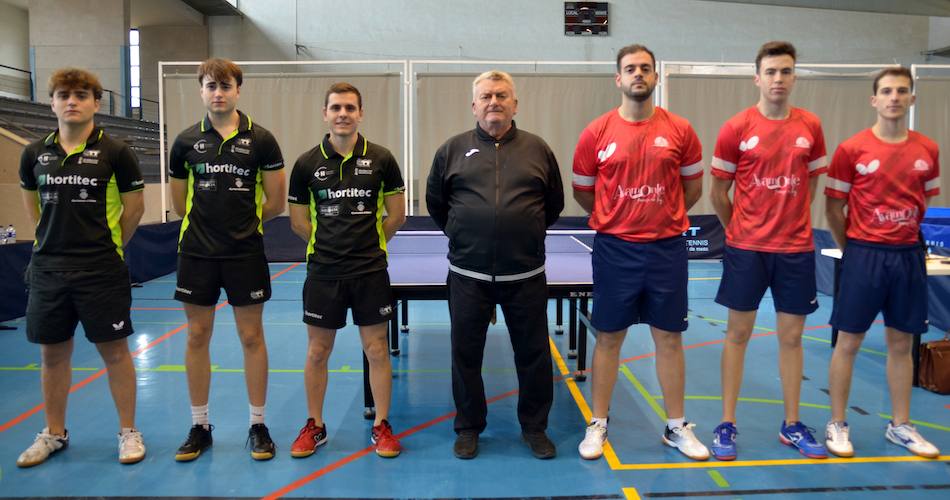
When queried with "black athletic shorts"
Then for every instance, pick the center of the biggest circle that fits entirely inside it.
(325, 301)
(59, 300)
(246, 281)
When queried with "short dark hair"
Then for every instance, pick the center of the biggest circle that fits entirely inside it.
(343, 88)
(75, 78)
(894, 71)
(633, 49)
(220, 70)
(772, 49)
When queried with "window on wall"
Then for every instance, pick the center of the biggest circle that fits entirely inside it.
(135, 69)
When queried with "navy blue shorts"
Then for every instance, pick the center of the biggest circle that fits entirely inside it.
(747, 274)
(639, 283)
(877, 277)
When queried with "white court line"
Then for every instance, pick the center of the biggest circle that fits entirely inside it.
(581, 243)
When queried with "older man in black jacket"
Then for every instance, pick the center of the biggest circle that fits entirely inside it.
(494, 191)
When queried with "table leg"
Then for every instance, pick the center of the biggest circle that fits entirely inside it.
(558, 307)
(394, 333)
(581, 374)
(405, 316)
(369, 406)
(572, 328)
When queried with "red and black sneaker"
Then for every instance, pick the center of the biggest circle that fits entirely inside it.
(309, 439)
(387, 446)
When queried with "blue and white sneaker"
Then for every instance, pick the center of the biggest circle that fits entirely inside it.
(799, 436)
(906, 435)
(724, 441)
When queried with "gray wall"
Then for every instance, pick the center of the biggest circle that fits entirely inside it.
(14, 51)
(167, 43)
(532, 29)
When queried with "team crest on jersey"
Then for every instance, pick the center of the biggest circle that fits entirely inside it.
(868, 169)
(661, 142)
(921, 165)
(803, 143)
(749, 144)
(607, 152)
(201, 146)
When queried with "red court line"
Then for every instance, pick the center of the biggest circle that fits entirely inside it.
(86, 381)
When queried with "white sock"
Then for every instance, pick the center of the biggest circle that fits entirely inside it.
(599, 421)
(126, 430)
(257, 414)
(199, 415)
(673, 423)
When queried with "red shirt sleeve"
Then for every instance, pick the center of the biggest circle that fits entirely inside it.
(585, 162)
(840, 175)
(726, 155)
(691, 166)
(818, 160)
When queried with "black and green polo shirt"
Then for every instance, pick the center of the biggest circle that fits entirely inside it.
(225, 194)
(345, 195)
(78, 196)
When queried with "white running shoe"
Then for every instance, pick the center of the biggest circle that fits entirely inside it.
(43, 446)
(592, 447)
(131, 447)
(837, 439)
(906, 435)
(683, 439)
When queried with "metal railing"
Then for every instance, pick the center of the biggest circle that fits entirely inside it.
(29, 75)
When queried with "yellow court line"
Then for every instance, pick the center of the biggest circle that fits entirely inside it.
(643, 392)
(770, 463)
(609, 453)
(631, 493)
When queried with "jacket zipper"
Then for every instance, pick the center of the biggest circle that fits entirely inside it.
(494, 260)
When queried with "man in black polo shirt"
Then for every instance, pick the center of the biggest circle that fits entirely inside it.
(494, 191)
(227, 178)
(338, 191)
(83, 190)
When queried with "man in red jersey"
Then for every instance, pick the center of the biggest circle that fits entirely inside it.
(885, 175)
(637, 170)
(774, 153)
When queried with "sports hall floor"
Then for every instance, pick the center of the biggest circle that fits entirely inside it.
(638, 465)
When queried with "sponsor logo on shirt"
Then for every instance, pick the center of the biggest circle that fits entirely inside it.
(334, 194)
(238, 185)
(361, 209)
(183, 290)
(607, 152)
(471, 152)
(783, 184)
(749, 144)
(329, 210)
(91, 153)
(243, 151)
(642, 194)
(68, 180)
(661, 142)
(362, 171)
(45, 158)
(83, 197)
(226, 168)
(803, 143)
(118, 326)
(899, 216)
(201, 146)
(257, 294)
(87, 161)
(207, 185)
(244, 141)
(323, 173)
(921, 165)
(364, 162)
(870, 168)
(49, 197)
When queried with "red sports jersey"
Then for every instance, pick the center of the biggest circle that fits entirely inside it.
(885, 184)
(635, 170)
(772, 162)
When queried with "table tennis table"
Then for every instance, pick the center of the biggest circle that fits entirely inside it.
(418, 267)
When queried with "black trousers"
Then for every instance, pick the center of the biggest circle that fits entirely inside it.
(524, 305)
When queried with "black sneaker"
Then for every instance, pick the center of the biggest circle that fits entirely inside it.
(199, 439)
(466, 445)
(262, 447)
(541, 446)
